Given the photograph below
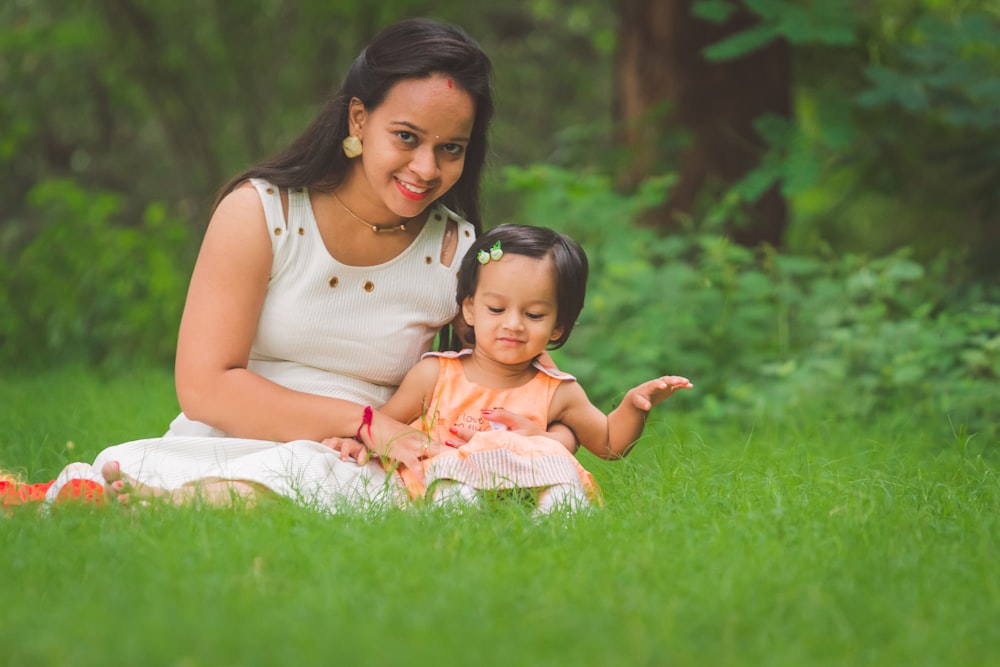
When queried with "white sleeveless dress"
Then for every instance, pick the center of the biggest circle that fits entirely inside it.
(326, 328)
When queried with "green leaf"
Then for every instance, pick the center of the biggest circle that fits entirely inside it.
(905, 270)
(893, 87)
(716, 11)
(741, 43)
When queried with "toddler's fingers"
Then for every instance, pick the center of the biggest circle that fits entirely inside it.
(357, 451)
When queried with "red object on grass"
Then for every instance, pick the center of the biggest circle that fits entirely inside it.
(81, 490)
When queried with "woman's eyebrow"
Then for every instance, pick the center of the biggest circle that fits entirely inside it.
(417, 128)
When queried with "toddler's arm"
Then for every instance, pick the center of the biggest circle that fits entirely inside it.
(410, 400)
(612, 436)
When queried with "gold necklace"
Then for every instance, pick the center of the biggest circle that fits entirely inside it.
(401, 227)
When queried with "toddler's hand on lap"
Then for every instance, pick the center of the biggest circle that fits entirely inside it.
(349, 448)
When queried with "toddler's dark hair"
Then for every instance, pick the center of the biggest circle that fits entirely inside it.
(568, 258)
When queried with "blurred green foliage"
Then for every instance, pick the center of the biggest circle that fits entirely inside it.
(119, 118)
(763, 332)
(894, 139)
(87, 288)
(167, 100)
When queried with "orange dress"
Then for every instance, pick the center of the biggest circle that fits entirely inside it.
(495, 458)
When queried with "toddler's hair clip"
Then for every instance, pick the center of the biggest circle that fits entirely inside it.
(495, 253)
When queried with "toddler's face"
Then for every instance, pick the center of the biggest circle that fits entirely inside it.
(514, 308)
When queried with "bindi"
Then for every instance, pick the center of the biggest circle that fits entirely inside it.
(450, 84)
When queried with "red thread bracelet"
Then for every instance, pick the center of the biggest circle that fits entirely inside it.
(366, 420)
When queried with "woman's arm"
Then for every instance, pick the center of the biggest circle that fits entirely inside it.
(218, 327)
(217, 330)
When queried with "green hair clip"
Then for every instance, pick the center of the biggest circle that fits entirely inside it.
(495, 253)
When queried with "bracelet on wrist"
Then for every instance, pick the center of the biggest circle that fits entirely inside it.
(366, 421)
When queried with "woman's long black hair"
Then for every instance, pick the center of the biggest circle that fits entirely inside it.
(411, 49)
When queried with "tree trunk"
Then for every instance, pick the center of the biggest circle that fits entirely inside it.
(667, 89)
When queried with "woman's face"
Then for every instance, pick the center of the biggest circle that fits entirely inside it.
(414, 147)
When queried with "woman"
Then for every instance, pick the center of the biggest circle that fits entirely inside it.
(323, 276)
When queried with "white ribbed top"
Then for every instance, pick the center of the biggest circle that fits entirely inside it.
(350, 332)
(343, 331)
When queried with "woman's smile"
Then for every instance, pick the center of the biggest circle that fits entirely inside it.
(411, 191)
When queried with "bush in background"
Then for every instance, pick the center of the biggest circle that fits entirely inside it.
(762, 333)
(768, 333)
(90, 287)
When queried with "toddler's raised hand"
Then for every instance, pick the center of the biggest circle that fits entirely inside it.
(654, 392)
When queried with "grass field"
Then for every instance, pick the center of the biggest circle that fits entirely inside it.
(796, 542)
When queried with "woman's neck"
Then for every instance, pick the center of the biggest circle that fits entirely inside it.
(354, 244)
(360, 205)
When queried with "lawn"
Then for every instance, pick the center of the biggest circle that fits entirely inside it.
(800, 541)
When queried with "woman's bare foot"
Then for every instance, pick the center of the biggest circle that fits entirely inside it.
(124, 488)
(213, 491)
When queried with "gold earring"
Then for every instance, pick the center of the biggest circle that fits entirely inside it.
(352, 146)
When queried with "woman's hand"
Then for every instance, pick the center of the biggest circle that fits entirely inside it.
(349, 449)
(387, 438)
(511, 420)
(410, 450)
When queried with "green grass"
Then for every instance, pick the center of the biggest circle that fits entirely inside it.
(800, 542)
